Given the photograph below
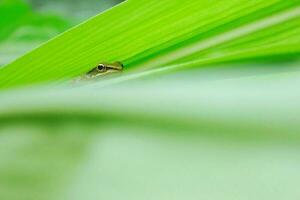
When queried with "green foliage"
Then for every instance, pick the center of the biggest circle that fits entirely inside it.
(24, 29)
(224, 126)
(13, 13)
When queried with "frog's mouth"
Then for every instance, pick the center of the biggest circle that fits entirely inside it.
(114, 67)
(111, 70)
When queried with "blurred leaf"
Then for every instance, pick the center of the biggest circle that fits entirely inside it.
(234, 137)
(24, 29)
(13, 13)
(74, 10)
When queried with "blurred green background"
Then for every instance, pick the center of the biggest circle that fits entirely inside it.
(222, 137)
(25, 24)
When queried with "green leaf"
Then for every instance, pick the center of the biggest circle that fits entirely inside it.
(139, 33)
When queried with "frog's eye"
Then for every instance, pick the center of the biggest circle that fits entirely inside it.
(101, 67)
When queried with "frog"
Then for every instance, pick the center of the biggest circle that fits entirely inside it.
(103, 68)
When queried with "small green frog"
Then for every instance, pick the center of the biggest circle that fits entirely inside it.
(103, 69)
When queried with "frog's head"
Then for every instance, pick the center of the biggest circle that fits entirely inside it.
(104, 68)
